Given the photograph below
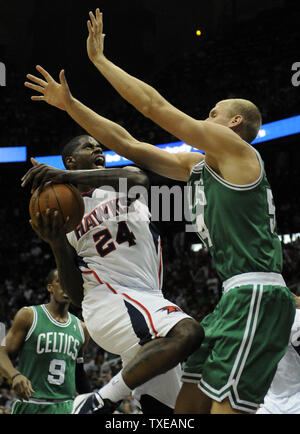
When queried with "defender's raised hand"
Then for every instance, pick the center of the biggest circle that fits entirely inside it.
(56, 94)
(95, 40)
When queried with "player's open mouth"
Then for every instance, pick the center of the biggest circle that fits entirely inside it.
(99, 161)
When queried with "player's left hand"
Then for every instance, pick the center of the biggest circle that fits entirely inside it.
(40, 174)
(56, 94)
(22, 387)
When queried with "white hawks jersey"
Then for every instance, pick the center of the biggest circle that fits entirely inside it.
(284, 393)
(116, 242)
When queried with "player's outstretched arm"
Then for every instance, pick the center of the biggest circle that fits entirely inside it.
(40, 174)
(216, 140)
(110, 134)
(13, 343)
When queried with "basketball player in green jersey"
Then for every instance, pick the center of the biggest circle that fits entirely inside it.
(49, 342)
(232, 211)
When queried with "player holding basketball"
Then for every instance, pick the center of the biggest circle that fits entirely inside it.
(233, 211)
(119, 255)
(50, 343)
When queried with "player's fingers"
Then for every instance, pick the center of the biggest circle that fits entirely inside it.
(62, 78)
(38, 226)
(98, 14)
(19, 391)
(57, 228)
(48, 220)
(24, 390)
(27, 174)
(40, 177)
(27, 394)
(99, 19)
(35, 182)
(34, 162)
(93, 19)
(37, 98)
(39, 219)
(64, 228)
(55, 220)
(36, 80)
(41, 185)
(90, 29)
(44, 73)
(26, 179)
(34, 87)
(30, 387)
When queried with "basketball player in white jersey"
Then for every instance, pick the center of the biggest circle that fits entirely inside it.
(115, 255)
(283, 396)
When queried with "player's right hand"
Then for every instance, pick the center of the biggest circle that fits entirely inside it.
(56, 94)
(40, 174)
(22, 386)
(95, 40)
(48, 227)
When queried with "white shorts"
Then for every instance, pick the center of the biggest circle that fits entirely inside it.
(121, 320)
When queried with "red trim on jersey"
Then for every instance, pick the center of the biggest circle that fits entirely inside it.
(87, 192)
(99, 280)
(147, 312)
(95, 275)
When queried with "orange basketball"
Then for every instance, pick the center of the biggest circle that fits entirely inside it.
(64, 198)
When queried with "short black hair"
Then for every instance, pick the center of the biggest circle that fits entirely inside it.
(70, 147)
(50, 276)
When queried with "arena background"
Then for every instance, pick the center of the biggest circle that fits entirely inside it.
(246, 49)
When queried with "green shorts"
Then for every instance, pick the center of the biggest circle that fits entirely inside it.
(29, 407)
(245, 337)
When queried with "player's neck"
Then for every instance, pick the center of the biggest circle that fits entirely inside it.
(59, 311)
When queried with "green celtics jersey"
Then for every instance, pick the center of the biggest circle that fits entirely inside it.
(48, 356)
(236, 223)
